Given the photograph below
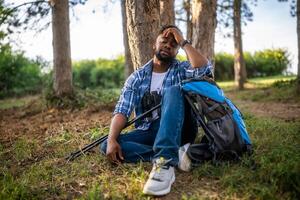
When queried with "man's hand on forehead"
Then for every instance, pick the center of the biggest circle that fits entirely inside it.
(176, 34)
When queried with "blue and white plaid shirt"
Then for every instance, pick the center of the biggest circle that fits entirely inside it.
(139, 82)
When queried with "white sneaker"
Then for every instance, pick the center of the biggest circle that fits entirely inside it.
(184, 163)
(160, 179)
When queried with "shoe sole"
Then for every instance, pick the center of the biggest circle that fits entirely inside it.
(161, 192)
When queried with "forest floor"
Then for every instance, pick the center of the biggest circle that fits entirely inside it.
(34, 141)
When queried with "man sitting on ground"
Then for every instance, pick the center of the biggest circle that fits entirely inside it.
(156, 138)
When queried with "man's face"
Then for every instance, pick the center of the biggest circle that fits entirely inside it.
(166, 48)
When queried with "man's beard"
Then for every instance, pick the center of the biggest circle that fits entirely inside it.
(167, 59)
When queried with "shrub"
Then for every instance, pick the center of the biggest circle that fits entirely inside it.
(224, 66)
(99, 73)
(18, 74)
(268, 62)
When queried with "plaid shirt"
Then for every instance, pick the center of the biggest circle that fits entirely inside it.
(139, 82)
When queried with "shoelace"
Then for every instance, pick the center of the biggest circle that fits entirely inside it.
(161, 164)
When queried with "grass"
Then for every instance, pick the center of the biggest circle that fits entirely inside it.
(16, 102)
(277, 173)
(275, 89)
(256, 83)
(36, 169)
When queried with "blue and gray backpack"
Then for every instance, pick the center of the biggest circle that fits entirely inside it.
(225, 137)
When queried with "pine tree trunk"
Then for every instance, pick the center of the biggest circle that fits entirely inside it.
(240, 74)
(298, 35)
(167, 13)
(128, 62)
(61, 49)
(189, 25)
(142, 26)
(204, 24)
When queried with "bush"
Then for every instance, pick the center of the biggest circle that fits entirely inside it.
(268, 62)
(18, 74)
(100, 73)
(224, 66)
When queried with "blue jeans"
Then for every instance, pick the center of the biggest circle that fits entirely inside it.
(162, 139)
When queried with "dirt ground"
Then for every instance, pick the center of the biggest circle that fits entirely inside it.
(284, 111)
(38, 123)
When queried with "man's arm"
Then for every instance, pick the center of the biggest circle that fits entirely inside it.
(195, 57)
(114, 151)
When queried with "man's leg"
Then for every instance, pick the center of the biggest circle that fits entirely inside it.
(136, 145)
(168, 138)
(166, 143)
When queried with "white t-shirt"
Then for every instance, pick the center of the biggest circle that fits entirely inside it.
(157, 81)
(156, 85)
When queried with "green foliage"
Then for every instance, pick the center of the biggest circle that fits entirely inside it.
(181, 57)
(18, 74)
(268, 62)
(224, 66)
(99, 73)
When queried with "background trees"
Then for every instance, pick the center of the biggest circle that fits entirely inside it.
(128, 61)
(26, 15)
(62, 76)
(145, 18)
(204, 24)
(142, 25)
(240, 74)
(298, 35)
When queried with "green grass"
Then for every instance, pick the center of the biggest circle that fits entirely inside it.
(277, 173)
(276, 89)
(16, 102)
(260, 82)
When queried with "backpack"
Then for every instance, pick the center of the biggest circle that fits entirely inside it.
(225, 135)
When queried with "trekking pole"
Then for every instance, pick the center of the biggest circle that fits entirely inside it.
(90, 146)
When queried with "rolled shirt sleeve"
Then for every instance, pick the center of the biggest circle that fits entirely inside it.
(206, 70)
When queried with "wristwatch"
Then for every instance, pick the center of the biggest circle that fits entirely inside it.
(184, 42)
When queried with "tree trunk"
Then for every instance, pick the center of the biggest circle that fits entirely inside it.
(189, 25)
(61, 49)
(298, 35)
(204, 24)
(128, 62)
(142, 26)
(240, 74)
(167, 13)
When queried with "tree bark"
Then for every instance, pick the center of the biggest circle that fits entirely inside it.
(189, 25)
(128, 62)
(240, 73)
(298, 37)
(142, 27)
(61, 49)
(167, 13)
(204, 24)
